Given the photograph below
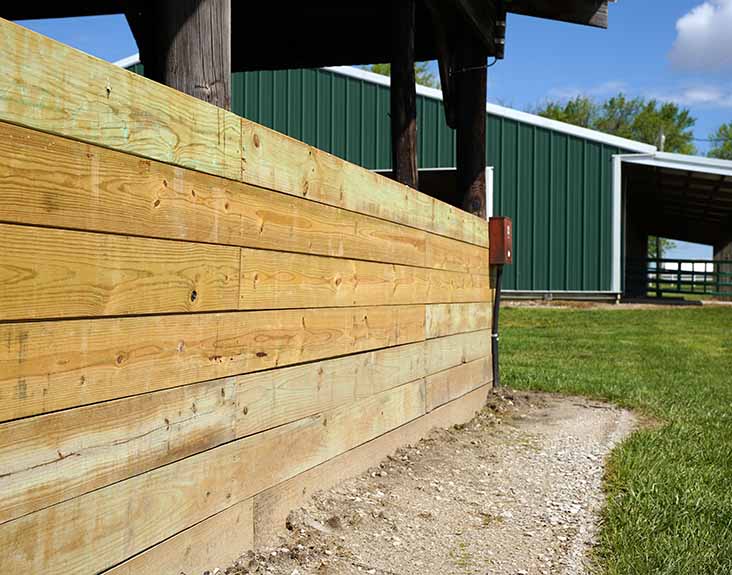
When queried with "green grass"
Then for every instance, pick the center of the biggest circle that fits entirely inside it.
(669, 485)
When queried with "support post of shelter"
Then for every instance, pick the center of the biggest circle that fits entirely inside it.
(470, 88)
(636, 250)
(723, 253)
(403, 94)
(186, 44)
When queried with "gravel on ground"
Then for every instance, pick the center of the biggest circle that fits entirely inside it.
(515, 491)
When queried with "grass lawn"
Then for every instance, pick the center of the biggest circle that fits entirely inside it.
(670, 485)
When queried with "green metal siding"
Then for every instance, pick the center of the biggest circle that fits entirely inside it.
(557, 188)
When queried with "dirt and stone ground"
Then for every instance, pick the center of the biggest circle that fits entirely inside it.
(515, 491)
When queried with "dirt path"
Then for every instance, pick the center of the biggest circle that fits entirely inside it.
(515, 491)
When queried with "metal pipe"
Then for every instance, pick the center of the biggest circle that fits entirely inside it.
(494, 329)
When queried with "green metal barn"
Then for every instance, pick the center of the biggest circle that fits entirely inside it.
(564, 186)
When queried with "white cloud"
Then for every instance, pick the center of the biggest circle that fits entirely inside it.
(703, 96)
(704, 37)
(693, 95)
(610, 88)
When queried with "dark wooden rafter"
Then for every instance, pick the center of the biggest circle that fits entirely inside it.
(186, 44)
(588, 12)
(326, 45)
(443, 27)
(403, 94)
(470, 92)
(714, 191)
(481, 18)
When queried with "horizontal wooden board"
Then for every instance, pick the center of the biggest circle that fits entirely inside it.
(49, 273)
(461, 348)
(223, 539)
(104, 104)
(272, 280)
(447, 319)
(52, 87)
(449, 254)
(278, 162)
(126, 518)
(46, 366)
(54, 457)
(53, 181)
(456, 381)
(272, 506)
(215, 542)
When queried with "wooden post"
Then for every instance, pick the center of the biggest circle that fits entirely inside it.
(403, 94)
(636, 246)
(470, 88)
(186, 44)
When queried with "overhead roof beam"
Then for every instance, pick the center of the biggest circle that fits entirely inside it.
(713, 193)
(589, 12)
(481, 14)
(66, 9)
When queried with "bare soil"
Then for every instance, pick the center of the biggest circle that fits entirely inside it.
(515, 491)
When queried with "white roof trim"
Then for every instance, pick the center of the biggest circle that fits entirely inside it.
(510, 113)
(493, 109)
(683, 162)
(129, 61)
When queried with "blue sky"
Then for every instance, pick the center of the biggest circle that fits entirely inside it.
(679, 50)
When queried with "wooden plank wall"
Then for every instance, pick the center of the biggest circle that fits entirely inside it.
(202, 320)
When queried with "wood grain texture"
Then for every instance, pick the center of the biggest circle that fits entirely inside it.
(52, 87)
(272, 506)
(47, 273)
(461, 348)
(278, 162)
(447, 319)
(456, 381)
(58, 456)
(52, 181)
(215, 542)
(186, 44)
(448, 254)
(46, 366)
(403, 93)
(272, 280)
(63, 91)
(126, 518)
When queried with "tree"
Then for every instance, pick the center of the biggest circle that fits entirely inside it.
(580, 111)
(664, 244)
(722, 139)
(635, 118)
(422, 72)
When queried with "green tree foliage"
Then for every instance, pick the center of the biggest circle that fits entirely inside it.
(580, 111)
(635, 118)
(422, 72)
(665, 246)
(722, 139)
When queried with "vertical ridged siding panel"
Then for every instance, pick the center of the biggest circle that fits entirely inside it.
(556, 187)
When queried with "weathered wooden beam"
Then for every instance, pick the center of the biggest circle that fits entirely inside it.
(403, 94)
(66, 9)
(588, 12)
(445, 57)
(481, 17)
(186, 44)
(470, 84)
